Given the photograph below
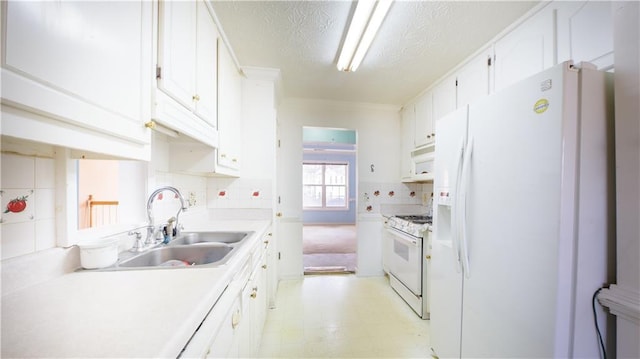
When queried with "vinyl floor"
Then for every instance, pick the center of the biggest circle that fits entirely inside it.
(342, 316)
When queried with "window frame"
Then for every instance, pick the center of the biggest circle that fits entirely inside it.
(324, 186)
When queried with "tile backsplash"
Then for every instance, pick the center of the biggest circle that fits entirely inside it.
(28, 205)
(373, 195)
(239, 193)
(193, 188)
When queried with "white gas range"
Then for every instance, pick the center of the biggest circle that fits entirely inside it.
(406, 258)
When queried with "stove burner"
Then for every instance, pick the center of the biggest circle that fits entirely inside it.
(417, 219)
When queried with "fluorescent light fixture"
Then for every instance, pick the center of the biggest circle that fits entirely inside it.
(363, 28)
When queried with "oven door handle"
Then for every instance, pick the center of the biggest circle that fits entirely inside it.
(402, 236)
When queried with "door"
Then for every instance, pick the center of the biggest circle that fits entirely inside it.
(446, 271)
(513, 216)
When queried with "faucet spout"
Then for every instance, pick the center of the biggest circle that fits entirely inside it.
(183, 207)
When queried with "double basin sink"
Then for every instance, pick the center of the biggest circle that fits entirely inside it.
(190, 249)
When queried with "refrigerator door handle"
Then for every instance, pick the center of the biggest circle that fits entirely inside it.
(464, 191)
(455, 218)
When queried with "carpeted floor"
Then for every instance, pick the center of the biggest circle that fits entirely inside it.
(329, 248)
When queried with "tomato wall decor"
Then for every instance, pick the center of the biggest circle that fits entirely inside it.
(17, 204)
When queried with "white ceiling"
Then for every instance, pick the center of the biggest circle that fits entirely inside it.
(418, 43)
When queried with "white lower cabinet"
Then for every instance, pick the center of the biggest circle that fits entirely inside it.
(226, 342)
(233, 327)
(254, 306)
(272, 268)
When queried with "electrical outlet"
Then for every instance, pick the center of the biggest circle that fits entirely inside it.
(192, 199)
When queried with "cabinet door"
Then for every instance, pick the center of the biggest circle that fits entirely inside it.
(408, 126)
(177, 50)
(227, 341)
(246, 329)
(444, 98)
(260, 303)
(81, 63)
(424, 130)
(229, 110)
(206, 66)
(473, 79)
(585, 32)
(525, 51)
(272, 268)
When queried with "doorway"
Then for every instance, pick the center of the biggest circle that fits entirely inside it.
(329, 240)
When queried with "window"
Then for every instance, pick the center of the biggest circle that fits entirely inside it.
(324, 185)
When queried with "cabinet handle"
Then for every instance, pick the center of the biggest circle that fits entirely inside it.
(235, 319)
(264, 266)
(433, 135)
(266, 243)
(269, 234)
(151, 124)
(279, 214)
(254, 293)
(234, 160)
(196, 97)
(427, 257)
(428, 136)
(223, 155)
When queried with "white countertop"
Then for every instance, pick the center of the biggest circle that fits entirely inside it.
(134, 313)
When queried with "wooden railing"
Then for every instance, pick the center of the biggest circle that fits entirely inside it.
(102, 212)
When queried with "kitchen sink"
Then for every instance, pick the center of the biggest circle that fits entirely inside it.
(189, 238)
(180, 256)
(190, 249)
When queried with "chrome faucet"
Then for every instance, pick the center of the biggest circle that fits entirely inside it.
(151, 230)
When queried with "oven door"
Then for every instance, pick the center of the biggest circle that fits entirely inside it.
(405, 259)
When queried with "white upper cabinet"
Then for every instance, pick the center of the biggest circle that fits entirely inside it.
(444, 97)
(585, 32)
(186, 100)
(424, 127)
(526, 50)
(177, 50)
(77, 74)
(229, 112)
(206, 66)
(224, 159)
(473, 79)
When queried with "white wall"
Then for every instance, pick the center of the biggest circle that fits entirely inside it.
(627, 106)
(378, 142)
(378, 136)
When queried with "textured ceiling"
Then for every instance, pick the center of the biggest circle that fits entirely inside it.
(418, 42)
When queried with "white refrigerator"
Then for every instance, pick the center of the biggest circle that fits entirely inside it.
(524, 219)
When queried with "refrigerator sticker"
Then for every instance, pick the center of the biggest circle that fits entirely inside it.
(541, 106)
(545, 85)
